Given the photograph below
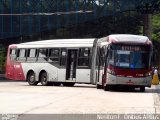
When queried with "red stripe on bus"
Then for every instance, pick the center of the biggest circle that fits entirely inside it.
(124, 72)
(14, 69)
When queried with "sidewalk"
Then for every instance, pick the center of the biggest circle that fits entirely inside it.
(157, 98)
(157, 89)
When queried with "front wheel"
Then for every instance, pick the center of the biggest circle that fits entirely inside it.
(31, 79)
(43, 79)
(106, 88)
(56, 83)
(142, 89)
(99, 86)
(68, 84)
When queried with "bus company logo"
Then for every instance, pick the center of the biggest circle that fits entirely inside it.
(139, 75)
(108, 117)
(141, 117)
(9, 117)
(16, 66)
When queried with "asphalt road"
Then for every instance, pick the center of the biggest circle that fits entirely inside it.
(20, 98)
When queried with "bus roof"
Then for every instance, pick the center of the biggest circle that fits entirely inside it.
(127, 38)
(73, 43)
(76, 43)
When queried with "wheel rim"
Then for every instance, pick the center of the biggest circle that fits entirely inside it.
(32, 78)
(44, 79)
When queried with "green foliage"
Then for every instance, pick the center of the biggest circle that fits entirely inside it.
(156, 38)
(156, 27)
(2, 59)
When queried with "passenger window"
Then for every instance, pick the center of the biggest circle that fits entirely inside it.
(63, 52)
(54, 55)
(97, 60)
(42, 55)
(101, 56)
(83, 52)
(32, 55)
(12, 51)
(12, 54)
(111, 57)
(63, 58)
(84, 57)
(21, 55)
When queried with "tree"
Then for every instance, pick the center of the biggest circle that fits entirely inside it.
(156, 27)
(156, 38)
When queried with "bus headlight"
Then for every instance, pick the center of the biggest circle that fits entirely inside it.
(111, 72)
(147, 74)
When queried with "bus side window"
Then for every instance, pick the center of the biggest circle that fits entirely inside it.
(101, 55)
(107, 57)
(111, 57)
(12, 54)
(21, 55)
(32, 55)
(84, 56)
(42, 55)
(53, 55)
(97, 60)
(63, 57)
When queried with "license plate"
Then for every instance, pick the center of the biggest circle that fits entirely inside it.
(129, 83)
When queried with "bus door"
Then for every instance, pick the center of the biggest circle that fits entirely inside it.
(71, 64)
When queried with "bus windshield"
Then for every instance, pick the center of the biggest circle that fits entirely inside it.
(133, 57)
(130, 59)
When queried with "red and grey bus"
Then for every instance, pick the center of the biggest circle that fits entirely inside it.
(124, 60)
(91, 61)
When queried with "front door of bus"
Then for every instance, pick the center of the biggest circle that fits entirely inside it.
(71, 64)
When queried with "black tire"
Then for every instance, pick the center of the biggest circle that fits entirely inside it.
(56, 83)
(50, 83)
(99, 86)
(31, 79)
(44, 80)
(142, 89)
(69, 84)
(106, 88)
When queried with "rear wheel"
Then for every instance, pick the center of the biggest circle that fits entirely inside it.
(56, 83)
(31, 79)
(50, 83)
(43, 79)
(142, 89)
(99, 86)
(68, 84)
(106, 88)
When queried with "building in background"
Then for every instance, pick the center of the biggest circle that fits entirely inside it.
(28, 20)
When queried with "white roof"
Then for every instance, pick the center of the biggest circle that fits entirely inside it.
(76, 43)
(129, 38)
(73, 43)
(60, 41)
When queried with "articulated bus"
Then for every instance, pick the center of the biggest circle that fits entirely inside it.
(115, 60)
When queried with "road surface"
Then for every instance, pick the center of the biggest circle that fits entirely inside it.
(20, 98)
